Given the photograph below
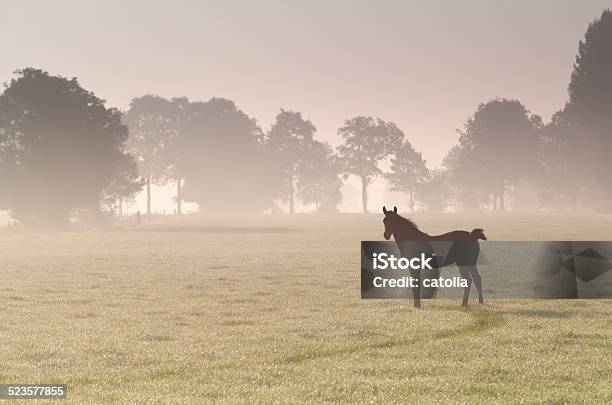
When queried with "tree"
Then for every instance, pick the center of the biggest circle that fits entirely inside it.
(290, 138)
(319, 180)
(435, 191)
(498, 146)
(173, 154)
(60, 147)
(366, 142)
(126, 183)
(408, 171)
(223, 160)
(464, 178)
(561, 184)
(588, 114)
(153, 122)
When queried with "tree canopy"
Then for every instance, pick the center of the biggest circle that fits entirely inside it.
(154, 122)
(367, 141)
(584, 123)
(291, 140)
(60, 147)
(499, 145)
(319, 181)
(408, 171)
(224, 162)
(435, 191)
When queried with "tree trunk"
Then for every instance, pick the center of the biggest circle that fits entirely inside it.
(291, 197)
(120, 207)
(501, 199)
(178, 196)
(148, 195)
(412, 201)
(364, 194)
(292, 191)
(516, 194)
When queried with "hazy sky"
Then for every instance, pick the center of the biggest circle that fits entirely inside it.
(425, 65)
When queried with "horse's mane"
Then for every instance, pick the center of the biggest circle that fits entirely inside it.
(407, 222)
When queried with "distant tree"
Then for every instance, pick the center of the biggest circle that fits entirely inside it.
(223, 160)
(319, 180)
(498, 146)
(290, 138)
(172, 153)
(563, 182)
(435, 191)
(588, 115)
(408, 171)
(60, 147)
(126, 183)
(464, 179)
(367, 142)
(153, 122)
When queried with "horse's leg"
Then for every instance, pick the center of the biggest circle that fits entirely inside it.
(465, 274)
(416, 291)
(477, 282)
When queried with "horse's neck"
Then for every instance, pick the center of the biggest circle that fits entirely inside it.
(410, 233)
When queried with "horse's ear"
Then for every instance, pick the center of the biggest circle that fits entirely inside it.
(394, 209)
(384, 210)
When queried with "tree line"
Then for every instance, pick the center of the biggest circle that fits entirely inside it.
(64, 152)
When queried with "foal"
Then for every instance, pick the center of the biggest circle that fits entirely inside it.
(463, 251)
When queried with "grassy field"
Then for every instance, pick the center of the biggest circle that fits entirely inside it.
(268, 310)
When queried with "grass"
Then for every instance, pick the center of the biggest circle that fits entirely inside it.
(268, 310)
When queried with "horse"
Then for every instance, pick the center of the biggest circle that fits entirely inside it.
(463, 250)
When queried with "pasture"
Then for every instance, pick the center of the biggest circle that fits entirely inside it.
(267, 309)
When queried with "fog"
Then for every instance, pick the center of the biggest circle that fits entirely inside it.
(424, 66)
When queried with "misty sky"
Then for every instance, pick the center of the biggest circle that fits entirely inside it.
(425, 65)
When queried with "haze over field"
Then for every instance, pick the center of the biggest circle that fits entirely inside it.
(268, 310)
(423, 65)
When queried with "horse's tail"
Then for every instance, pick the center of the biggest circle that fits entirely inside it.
(478, 234)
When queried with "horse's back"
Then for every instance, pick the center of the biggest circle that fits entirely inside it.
(464, 250)
(454, 236)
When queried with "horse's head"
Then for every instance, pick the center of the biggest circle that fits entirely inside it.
(390, 222)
